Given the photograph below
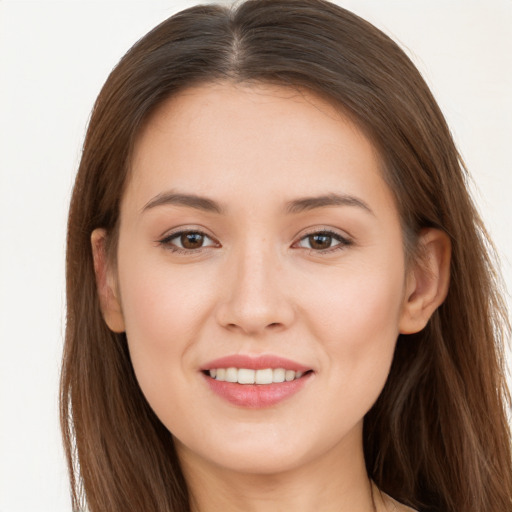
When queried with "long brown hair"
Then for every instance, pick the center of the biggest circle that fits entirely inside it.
(437, 438)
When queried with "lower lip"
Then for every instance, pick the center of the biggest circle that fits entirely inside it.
(256, 396)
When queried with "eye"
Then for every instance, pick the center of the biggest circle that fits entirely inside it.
(323, 241)
(186, 241)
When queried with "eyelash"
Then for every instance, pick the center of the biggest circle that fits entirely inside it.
(343, 242)
(167, 242)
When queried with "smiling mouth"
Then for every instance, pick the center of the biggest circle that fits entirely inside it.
(264, 376)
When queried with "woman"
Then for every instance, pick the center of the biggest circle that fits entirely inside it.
(279, 292)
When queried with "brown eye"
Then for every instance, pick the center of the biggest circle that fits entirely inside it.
(192, 240)
(323, 241)
(320, 241)
(187, 241)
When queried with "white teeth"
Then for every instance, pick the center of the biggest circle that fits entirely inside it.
(231, 375)
(247, 376)
(278, 375)
(264, 376)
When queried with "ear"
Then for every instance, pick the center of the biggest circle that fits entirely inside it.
(106, 283)
(427, 281)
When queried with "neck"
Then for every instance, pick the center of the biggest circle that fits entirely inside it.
(335, 482)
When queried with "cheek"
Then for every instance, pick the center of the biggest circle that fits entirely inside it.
(357, 322)
(162, 308)
(359, 301)
(161, 311)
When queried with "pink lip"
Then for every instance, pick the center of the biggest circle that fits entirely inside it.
(255, 363)
(255, 396)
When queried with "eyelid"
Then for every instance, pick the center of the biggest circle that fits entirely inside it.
(322, 228)
(165, 240)
(344, 240)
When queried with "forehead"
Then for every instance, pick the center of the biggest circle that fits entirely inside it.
(259, 141)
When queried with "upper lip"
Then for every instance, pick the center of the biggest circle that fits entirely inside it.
(259, 362)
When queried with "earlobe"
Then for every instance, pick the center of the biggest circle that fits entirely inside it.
(106, 283)
(427, 282)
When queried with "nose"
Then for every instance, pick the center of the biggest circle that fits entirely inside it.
(255, 298)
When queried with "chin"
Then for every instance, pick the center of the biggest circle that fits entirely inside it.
(265, 461)
(267, 452)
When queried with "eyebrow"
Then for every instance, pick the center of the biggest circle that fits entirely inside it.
(292, 207)
(190, 200)
(324, 201)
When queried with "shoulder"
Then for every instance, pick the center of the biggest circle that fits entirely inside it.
(404, 508)
(395, 506)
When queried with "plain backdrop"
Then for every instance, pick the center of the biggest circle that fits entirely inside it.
(55, 56)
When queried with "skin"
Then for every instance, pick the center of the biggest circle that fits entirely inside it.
(258, 286)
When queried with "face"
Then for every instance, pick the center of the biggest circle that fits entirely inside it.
(260, 275)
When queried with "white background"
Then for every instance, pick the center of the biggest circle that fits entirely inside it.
(54, 57)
